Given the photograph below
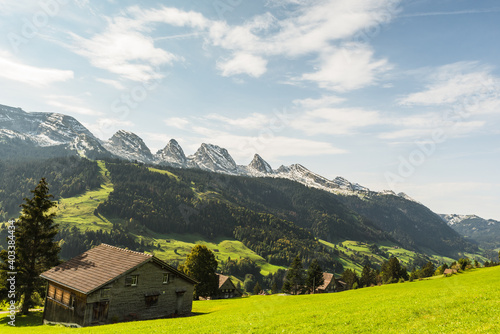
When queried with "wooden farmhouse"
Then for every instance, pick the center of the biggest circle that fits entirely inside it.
(226, 288)
(450, 271)
(107, 284)
(328, 285)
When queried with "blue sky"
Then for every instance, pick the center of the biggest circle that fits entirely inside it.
(401, 95)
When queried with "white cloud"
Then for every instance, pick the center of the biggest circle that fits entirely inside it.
(113, 83)
(252, 122)
(423, 126)
(324, 101)
(16, 71)
(334, 121)
(242, 63)
(463, 84)
(310, 29)
(65, 107)
(125, 52)
(347, 68)
(177, 122)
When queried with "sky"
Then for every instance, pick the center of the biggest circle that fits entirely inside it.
(398, 95)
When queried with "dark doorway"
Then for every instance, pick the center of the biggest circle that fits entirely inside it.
(100, 311)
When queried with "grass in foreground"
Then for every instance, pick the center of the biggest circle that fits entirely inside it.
(463, 303)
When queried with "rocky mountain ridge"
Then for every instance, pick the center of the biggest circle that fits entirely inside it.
(43, 129)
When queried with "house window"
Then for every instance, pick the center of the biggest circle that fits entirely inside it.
(135, 280)
(105, 292)
(151, 300)
(166, 278)
(52, 291)
(61, 296)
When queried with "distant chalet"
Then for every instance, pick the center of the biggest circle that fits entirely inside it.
(107, 284)
(329, 284)
(226, 288)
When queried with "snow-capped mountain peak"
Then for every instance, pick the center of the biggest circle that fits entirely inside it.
(129, 146)
(214, 158)
(172, 154)
(260, 165)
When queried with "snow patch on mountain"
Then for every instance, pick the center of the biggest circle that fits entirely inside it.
(172, 155)
(214, 158)
(129, 146)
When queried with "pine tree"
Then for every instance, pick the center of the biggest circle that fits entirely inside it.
(256, 289)
(294, 280)
(201, 265)
(314, 276)
(36, 250)
(368, 277)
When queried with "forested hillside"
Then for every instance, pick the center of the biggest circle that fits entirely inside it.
(67, 177)
(275, 218)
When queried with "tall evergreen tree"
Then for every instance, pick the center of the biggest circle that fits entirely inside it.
(314, 276)
(257, 289)
(294, 280)
(201, 265)
(36, 251)
(368, 277)
(392, 271)
(350, 277)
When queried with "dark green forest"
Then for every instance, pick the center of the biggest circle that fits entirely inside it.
(276, 218)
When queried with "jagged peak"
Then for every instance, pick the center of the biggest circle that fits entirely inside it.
(172, 153)
(260, 164)
(213, 157)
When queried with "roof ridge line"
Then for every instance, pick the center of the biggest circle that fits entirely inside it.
(126, 250)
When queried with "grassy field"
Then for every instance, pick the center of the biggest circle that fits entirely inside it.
(175, 247)
(79, 211)
(464, 303)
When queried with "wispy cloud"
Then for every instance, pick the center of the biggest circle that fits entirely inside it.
(457, 12)
(315, 29)
(335, 121)
(13, 69)
(466, 85)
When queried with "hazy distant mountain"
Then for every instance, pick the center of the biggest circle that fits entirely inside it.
(484, 231)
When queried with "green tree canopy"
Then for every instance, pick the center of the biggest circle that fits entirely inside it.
(392, 271)
(314, 277)
(294, 280)
(368, 277)
(350, 278)
(201, 265)
(35, 248)
(257, 289)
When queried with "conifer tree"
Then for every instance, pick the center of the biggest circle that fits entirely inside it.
(314, 276)
(36, 251)
(294, 280)
(256, 289)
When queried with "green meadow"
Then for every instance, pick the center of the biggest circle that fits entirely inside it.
(463, 303)
(79, 211)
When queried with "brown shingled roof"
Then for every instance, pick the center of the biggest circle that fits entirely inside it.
(96, 267)
(327, 278)
(222, 279)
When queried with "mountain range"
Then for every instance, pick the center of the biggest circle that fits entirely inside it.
(395, 216)
(484, 231)
(21, 130)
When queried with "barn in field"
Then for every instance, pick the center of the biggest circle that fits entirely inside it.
(329, 284)
(107, 284)
(226, 288)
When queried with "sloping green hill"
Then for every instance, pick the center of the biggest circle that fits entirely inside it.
(463, 303)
